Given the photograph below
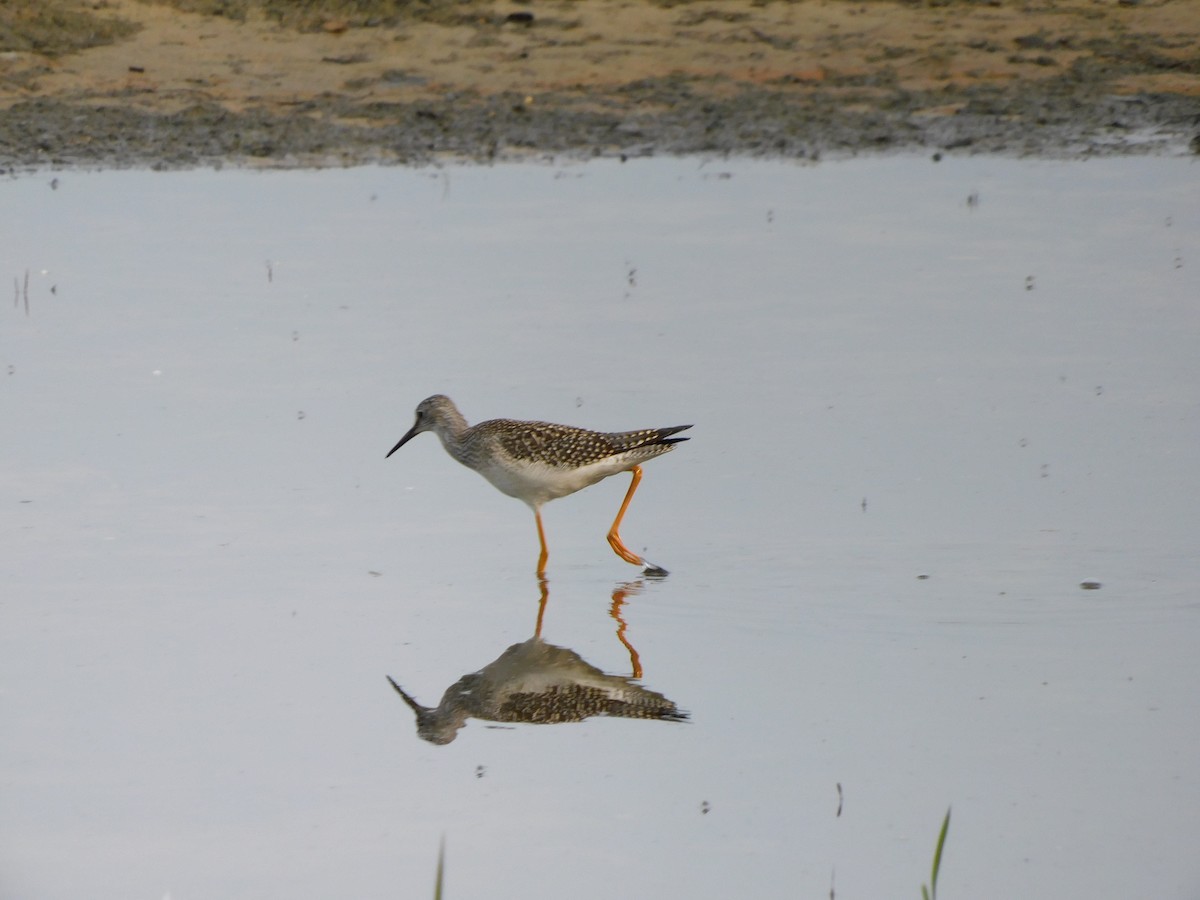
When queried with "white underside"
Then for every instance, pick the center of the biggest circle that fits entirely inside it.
(536, 483)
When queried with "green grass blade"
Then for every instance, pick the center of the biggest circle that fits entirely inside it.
(441, 870)
(937, 859)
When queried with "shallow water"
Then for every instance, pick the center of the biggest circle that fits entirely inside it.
(930, 401)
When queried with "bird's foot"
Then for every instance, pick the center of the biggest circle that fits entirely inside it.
(650, 570)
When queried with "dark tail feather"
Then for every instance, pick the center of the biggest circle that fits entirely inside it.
(649, 437)
(664, 438)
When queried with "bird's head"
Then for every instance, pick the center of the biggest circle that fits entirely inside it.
(431, 412)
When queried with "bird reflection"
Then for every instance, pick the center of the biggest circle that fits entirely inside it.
(543, 684)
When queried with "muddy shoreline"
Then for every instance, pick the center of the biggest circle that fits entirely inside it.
(51, 133)
(1049, 93)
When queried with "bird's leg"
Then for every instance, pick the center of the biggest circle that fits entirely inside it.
(541, 569)
(614, 538)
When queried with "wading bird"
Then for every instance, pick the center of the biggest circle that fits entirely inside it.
(540, 461)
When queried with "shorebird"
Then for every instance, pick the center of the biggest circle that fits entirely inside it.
(539, 461)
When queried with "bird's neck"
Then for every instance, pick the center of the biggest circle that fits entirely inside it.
(452, 429)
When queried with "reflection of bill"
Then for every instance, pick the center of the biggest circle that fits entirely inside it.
(542, 684)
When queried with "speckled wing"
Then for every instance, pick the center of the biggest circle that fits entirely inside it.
(567, 447)
(576, 702)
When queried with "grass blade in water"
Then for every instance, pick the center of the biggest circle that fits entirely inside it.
(930, 892)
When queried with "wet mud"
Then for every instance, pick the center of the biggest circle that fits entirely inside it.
(151, 84)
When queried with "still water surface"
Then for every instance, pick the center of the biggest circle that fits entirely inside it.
(929, 402)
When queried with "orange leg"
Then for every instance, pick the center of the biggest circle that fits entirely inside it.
(541, 569)
(614, 539)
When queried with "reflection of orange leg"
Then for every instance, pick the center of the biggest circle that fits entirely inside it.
(545, 586)
(541, 569)
(618, 600)
(614, 539)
